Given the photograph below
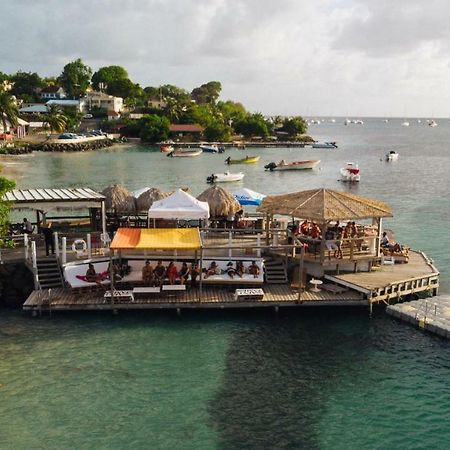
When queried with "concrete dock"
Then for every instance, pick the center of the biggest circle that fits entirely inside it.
(431, 314)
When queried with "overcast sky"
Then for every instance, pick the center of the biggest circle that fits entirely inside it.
(309, 57)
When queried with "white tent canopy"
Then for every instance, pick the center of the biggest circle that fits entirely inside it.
(180, 205)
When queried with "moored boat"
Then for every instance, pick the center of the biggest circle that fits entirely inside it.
(350, 172)
(294, 165)
(432, 123)
(181, 153)
(211, 148)
(246, 160)
(225, 177)
(392, 156)
(324, 145)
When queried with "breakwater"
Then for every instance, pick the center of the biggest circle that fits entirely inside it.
(16, 284)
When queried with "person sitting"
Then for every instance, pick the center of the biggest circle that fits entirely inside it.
(113, 272)
(240, 268)
(314, 232)
(212, 270)
(27, 227)
(231, 271)
(184, 273)
(172, 272)
(195, 273)
(304, 227)
(147, 273)
(228, 160)
(384, 240)
(159, 272)
(93, 277)
(253, 269)
(393, 247)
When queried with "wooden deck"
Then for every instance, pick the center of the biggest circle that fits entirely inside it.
(393, 281)
(212, 297)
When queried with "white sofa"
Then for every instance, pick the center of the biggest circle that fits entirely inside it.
(224, 278)
(72, 270)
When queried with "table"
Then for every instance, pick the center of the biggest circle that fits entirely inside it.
(315, 283)
(248, 294)
(174, 287)
(120, 295)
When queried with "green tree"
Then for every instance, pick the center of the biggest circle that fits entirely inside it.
(217, 131)
(294, 126)
(253, 125)
(207, 93)
(26, 84)
(9, 112)
(75, 78)
(5, 186)
(170, 91)
(154, 128)
(108, 75)
(54, 119)
(232, 112)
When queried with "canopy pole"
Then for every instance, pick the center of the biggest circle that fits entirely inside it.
(103, 218)
(379, 231)
(111, 277)
(201, 275)
(267, 228)
(300, 275)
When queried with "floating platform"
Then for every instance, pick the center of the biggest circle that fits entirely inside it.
(432, 314)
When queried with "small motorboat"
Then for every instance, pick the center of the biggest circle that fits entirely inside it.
(350, 172)
(294, 165)
(405, 124)
(211, 148)
(225, 177)
(166, 148)
(392, 156)
(432, 123)
(246, 160)
(324, 145)
(182, 153)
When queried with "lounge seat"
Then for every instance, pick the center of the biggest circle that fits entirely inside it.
(224, 278)
(72, 271)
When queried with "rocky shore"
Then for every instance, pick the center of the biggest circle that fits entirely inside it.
(16, 284)
(57, 147)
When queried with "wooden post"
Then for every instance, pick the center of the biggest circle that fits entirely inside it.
(378, 239)
(111, 277)
(323, 228)
(201, 275)
(230, 243)
(33, 254)
(89, 245)
(64, 250)
(56, 240)
(258, 243)
(103, 218)
(300, 276)
(25, 246)
(267, 229)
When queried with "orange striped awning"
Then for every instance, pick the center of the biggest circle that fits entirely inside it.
(157, 239)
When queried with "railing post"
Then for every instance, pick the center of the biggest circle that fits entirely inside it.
(64, 250)
(25, 245)
(89, 245)
(33, 255)
(230, 243)
(258, 243)
(55, 237)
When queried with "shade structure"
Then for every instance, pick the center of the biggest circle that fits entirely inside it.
(156, 239)
(179, 205)
(220, 201)
(323, 205)
(146, 199)
(119, 199)
(248, 197)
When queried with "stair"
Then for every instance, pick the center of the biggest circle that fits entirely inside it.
(275, 271)
(49, 273)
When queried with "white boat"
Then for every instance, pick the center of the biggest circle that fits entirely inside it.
(359, 122)
(405, 124)
(324, 145)
(210, 148)
(432, 123)
(347, 121)
(181, 153)
(350, 173)
(225, 177)
(392, 156)
(166, 148)
(294, 165)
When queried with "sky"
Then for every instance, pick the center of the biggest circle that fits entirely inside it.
(305, 57)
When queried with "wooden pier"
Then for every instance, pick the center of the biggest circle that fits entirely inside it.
(211, 297)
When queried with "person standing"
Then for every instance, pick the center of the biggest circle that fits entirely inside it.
(48, 238)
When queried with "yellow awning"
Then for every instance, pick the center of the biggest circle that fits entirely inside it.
(157, 239)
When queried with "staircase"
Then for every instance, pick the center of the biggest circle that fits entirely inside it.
(49, 273)
(275, 271)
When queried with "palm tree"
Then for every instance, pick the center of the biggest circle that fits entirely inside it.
(9, 112)
(55, 119)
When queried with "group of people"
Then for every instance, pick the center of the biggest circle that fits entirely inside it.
(155, 276)
(232, 270)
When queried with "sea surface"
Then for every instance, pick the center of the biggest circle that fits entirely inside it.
(315, 379)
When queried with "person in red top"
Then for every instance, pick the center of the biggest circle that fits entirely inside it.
(314, 233)
(172, 272)
(304, 227)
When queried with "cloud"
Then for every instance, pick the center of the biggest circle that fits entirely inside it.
(289, 57)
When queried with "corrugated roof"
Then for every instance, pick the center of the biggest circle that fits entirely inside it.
(186, 128)
(53, 195)
(157, 239)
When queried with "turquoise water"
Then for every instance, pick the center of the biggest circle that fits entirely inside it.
(322, 379)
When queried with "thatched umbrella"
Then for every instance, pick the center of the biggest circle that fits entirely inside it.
(221, 202)
(146, 199)
(119, 199)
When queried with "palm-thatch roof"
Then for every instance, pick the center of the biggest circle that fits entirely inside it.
(323, 205)
(119, 199)
(220, 201)
(146, 199)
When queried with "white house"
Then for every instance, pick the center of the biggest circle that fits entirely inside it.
(52, 93)
(105, 101)
(79, 104)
